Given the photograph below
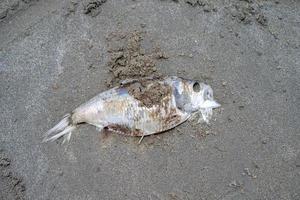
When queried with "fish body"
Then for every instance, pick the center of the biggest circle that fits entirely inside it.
(140, 107)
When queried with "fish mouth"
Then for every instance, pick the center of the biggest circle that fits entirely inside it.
(208, 97)
(210, 104)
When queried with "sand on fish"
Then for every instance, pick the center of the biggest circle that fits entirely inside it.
(149, 92)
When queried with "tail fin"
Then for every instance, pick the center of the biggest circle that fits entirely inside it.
(63, 128)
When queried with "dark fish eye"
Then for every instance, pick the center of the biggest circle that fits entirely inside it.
(196, 87)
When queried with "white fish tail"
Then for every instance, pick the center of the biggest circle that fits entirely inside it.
(63, 128)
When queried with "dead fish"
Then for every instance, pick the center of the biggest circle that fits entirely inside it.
(131, 109)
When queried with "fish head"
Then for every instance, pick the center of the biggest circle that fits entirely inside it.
(192, 96)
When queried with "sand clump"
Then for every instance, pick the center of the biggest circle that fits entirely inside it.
(11, 186)
(129, 61)
(247, 11)
(92, 7)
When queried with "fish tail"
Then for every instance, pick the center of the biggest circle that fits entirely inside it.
(63, 128)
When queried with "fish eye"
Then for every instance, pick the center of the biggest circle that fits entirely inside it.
(196, 87)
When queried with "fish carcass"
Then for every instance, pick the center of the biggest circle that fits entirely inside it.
(140, 107)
